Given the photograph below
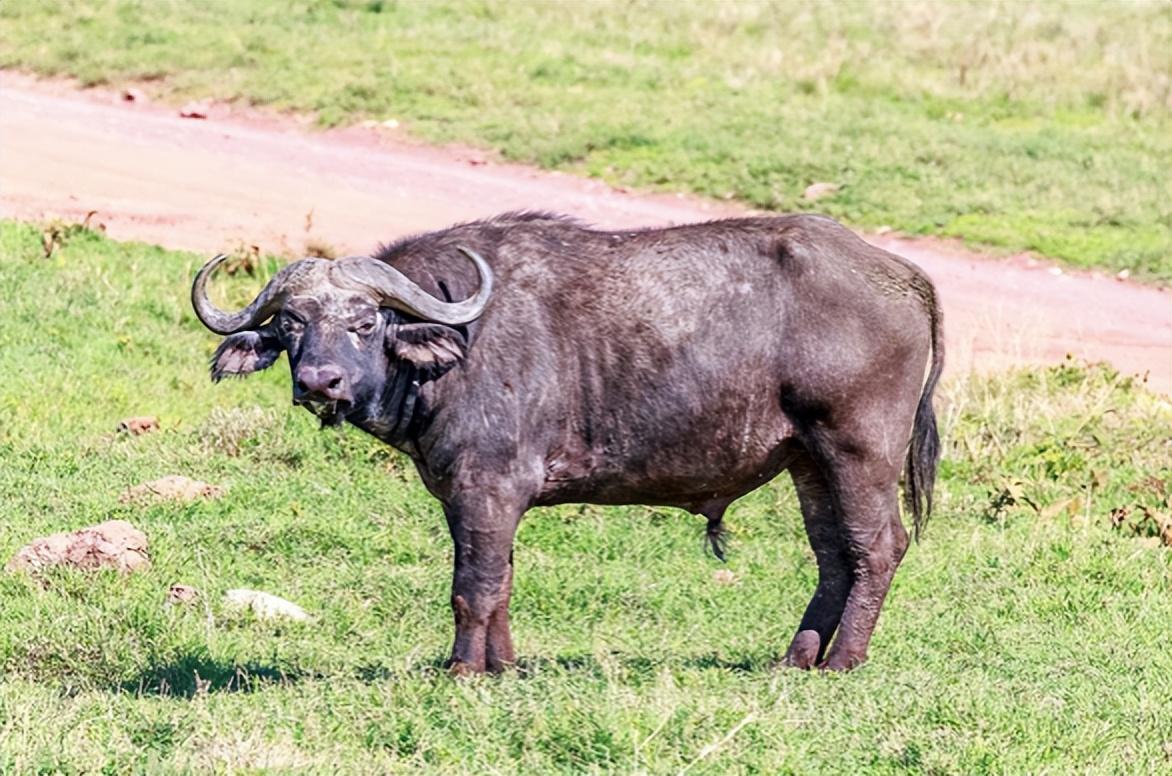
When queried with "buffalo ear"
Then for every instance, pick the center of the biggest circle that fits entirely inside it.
(430, 347)
(244, 353)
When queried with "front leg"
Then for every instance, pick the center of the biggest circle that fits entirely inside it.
(482, 583)
(498, 645)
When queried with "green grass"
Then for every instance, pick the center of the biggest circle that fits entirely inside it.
(1025, 634)
(1040, 126)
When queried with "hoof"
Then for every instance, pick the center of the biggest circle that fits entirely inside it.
(842, 663)
(803, 651)
(459, 669)
(496, 667)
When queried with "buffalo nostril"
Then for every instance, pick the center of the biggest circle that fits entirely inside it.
(327, 383)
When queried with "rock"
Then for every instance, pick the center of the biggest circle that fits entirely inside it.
(265, 606)
(131, 94)
(115, 544)
(181, 594)
(173, 487)
(816, 191)
(194, 110)
(724, 577)
(138, 426)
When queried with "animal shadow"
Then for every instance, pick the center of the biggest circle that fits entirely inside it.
(636, 664)
(194, 675)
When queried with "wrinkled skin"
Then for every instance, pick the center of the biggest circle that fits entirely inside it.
(682, 367)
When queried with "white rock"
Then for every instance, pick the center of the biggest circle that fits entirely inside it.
(265, 606)
(816, 191)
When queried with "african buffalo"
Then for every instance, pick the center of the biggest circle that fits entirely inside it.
(683, 366)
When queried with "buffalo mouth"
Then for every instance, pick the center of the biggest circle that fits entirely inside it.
(330, 413)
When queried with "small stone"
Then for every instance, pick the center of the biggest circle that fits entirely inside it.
(132, 94)
(138, 426)
(724, 577)
(816, 191)
(194, 110)
(181, 594)
(1123, 274)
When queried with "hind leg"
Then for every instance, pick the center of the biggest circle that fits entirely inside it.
(866, 497)
(877, 542)
(835, 576)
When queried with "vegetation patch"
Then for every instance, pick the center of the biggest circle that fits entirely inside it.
(1043, 127)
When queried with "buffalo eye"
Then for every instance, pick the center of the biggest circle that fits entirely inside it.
(364, 328)
(291, 323)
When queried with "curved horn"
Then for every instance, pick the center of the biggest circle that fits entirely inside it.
(289, 280)
(398, 291)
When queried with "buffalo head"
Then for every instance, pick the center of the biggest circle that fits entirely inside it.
(343, 325)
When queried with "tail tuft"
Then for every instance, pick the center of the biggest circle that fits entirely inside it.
(923, 453)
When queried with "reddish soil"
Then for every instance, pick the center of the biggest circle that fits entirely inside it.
(256, 178)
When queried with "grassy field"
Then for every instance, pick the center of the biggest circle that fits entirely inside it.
(1042, 126)
(1027, 633)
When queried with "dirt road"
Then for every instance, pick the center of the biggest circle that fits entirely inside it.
(258, 179)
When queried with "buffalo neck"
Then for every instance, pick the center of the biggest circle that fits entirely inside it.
(397, 414)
